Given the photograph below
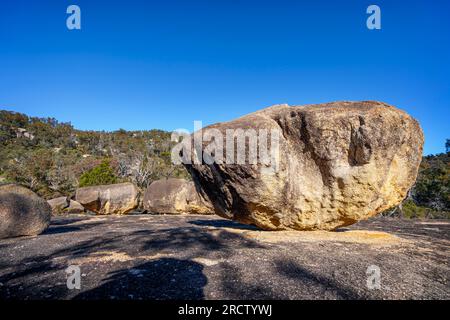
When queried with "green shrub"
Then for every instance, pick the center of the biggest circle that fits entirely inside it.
(432, 188)
(412, 210)
(100, 175)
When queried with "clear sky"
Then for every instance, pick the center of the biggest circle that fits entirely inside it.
(163, 64)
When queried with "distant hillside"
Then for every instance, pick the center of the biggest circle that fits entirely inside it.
(50, 157)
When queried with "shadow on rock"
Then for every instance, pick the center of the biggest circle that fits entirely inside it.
(196, 242)
(67, 221)
(220, 223)
(168, 279)
(315, 281)
(296, 282)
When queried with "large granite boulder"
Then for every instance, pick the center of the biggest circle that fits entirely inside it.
(62, 205)
(338, 163)
(22, 212)
(175, 196)
(118, 198)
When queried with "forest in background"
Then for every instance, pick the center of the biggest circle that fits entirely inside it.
(53, 159)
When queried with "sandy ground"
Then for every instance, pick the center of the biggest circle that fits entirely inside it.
(206, 257)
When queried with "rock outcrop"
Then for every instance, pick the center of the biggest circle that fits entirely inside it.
(109, 199)
(22, 212)
(58, 204)
(62, 205)
(175, 196)
(338, 163)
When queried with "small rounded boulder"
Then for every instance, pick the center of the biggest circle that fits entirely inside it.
(22, 212)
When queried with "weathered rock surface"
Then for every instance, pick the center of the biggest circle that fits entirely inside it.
(175, 196)
(339, 163)
(63, 205)
(192, 257)
(118, 198)
(22, 212)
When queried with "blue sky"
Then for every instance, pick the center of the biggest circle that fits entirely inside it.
(163, 64)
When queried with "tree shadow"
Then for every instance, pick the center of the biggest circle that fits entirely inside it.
(67, 221)
(238, 288)
(197, 242)
(162, 279)
(308, 279)
(26, 283)
(297, 283)
(65, 229)
(220, 223)
(175, 276)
